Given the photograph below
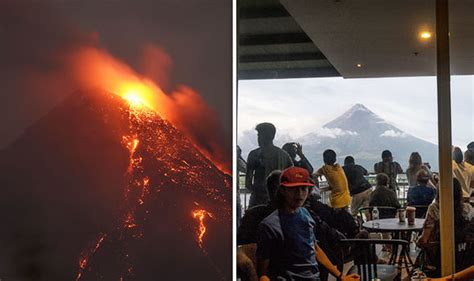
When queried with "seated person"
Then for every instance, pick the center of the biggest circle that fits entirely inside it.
(247, 230)
(337, 219)
(286, 245)
(421, 194)
(463, 214)
(331, 224)
(383, 196)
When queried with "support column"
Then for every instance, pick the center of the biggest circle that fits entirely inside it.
(444, 139)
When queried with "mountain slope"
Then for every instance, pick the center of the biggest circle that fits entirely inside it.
(98, 191)
(358, 132)
(363, 134)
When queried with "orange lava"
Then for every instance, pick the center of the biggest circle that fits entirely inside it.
(84, 259)
(200, 214)
(141, 140)
(184, 108)
(129, 221)
(131, 142)
(145, 190)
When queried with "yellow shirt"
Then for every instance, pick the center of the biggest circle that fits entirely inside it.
(340, 196)
(470, 168)
(463, 175)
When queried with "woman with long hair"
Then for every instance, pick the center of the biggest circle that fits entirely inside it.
(463, 213)
(430, 237)
(414, 164)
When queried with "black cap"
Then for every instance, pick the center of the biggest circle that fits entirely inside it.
(470, 146)
(386, 154)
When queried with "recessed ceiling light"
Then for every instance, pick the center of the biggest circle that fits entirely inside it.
(359, 65)
(425, 35)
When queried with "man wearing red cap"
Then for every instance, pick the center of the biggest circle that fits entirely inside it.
(286, 247)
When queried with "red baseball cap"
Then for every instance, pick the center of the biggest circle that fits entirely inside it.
(295, 176)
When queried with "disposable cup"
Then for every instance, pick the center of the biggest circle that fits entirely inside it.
(401, 215)
(410, 213)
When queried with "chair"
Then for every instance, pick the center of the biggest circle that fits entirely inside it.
(247, 231)
(384, 212)
(429, 257)
(365, 258)
(247, 262)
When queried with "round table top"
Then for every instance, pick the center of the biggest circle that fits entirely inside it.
(393, 224)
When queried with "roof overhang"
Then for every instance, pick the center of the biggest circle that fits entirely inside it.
(307, 38)
(272, 45)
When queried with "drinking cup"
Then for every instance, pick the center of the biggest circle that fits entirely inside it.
(410, 214)
(401, 215)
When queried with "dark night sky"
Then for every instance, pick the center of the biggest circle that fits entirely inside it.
(53, 203)
(197, 36)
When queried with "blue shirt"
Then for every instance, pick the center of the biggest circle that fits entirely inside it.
(420, 195)
(287, 240)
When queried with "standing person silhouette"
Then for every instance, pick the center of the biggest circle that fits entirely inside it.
(262, 161)
(390, 168)
(296, 149)
(359, 187)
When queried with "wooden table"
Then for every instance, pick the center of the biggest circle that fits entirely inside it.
(400, 229)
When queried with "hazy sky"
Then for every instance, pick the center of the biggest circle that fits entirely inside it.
(300, 106)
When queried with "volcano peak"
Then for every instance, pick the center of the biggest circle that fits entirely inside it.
(358, 108)
(358, 118)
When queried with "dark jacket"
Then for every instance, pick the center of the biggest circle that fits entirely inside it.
(382, 196)
(304, 163)
(338, 219)
(355, 178)
(420, 195)
(247, 231)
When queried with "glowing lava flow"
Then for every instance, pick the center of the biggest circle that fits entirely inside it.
(200, 214)
(159, 156)
(85, 256)
(131, 142)
(128, 224)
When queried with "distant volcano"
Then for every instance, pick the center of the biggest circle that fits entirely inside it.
(97, 190)
(358, 132)
(363, 134)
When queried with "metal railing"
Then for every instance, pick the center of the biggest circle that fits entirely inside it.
(325, 193)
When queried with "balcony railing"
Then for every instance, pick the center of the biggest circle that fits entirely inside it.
(325, 193)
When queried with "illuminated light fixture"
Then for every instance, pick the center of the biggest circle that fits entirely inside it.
(359, 65)
(425, 35)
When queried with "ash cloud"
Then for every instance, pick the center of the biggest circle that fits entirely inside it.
(156, 64)
(38, 42)
(201, 123)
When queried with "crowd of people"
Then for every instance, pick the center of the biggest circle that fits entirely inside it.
(296, 235)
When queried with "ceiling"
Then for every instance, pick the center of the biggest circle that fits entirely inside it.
(272, 45)
(308, 38)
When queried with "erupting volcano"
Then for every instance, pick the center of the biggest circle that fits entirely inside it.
(103, 188)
